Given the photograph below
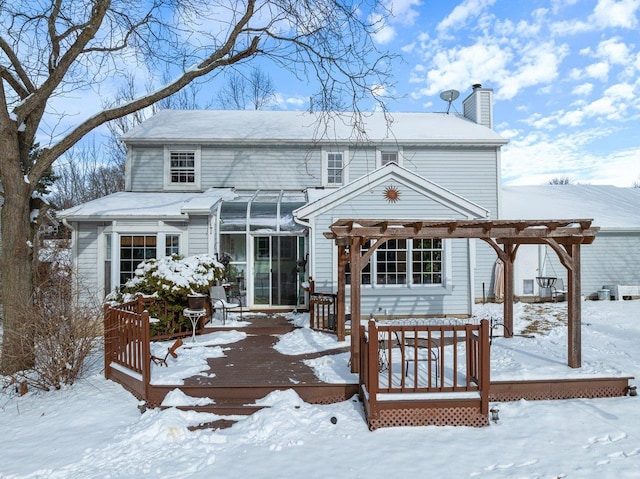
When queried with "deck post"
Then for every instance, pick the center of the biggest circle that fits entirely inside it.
(356, 278)
(108, 340)
(485, 366)
(372, 366)
(341, 297)
(574, 311)
(146, 353)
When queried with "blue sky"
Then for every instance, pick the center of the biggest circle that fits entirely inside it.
(565, 76)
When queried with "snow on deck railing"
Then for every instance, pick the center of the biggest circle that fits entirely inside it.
(425, 356)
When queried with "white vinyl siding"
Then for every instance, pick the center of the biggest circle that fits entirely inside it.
(451, 297)
(253, 168)
(199, 235)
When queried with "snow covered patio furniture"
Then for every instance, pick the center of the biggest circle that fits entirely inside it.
(218, 296)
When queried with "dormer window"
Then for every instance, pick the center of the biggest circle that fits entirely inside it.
(182, 168)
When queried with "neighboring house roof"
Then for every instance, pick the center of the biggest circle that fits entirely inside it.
(202, 126)
(610, 207)
(154, 205)
(391, 171)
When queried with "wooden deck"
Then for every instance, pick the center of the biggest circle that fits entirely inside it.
(252, 368)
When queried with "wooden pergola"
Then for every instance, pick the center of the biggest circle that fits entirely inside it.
(504, 236)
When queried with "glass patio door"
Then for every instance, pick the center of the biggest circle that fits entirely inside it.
(275, 272)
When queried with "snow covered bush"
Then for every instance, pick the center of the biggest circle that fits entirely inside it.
(174, 278)
(170, 280)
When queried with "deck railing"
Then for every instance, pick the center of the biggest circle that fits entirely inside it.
(127, 338)
(323, 313)
(127, 343)
(404, 359)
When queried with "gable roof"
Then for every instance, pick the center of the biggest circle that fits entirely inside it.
(259, 126)
(610, 207)
(396, 173)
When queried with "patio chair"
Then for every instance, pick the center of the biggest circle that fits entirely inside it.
(218, 297)
(558, 291)
(419, 349)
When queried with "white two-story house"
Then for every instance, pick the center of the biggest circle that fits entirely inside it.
(263, 187)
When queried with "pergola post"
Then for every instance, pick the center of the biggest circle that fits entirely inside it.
(341, 296)
(356, 280)
(563, 236)
(574, 309)
(508, 290)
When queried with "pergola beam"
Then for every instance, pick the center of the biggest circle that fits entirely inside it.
(504, 236)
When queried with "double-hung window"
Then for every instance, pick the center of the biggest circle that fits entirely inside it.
(334, 168)
(182, 168)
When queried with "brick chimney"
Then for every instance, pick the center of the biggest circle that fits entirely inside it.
(478, 106)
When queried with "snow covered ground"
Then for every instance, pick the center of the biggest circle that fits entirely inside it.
(95, 430)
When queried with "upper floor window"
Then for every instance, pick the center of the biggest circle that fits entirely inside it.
(182, 168)
(388, 156)
(334, 168)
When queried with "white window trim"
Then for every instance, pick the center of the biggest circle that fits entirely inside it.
(380, 151)
(325, 166)
(116, 232)
(439, 288)
(168, 185)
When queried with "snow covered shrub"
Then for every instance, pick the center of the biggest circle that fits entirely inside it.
(174, 278)
(171, 280)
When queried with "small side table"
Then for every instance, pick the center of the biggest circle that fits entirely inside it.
(194, 316)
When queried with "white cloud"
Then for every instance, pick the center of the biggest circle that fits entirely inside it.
(599, 71)
(584, 89)
(467, 10)
(461, 67)
(614, 51)
(403, 11)
(612, 13)
(539, 65)
(385, 33)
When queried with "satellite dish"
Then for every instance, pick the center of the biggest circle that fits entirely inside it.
(449, 96)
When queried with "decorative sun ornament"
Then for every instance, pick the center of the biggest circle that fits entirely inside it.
(391, 194)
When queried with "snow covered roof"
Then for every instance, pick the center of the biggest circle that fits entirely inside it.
(303, 127)
(154, 205)
(610, 207)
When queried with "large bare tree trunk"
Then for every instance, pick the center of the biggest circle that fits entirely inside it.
(16, 261)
